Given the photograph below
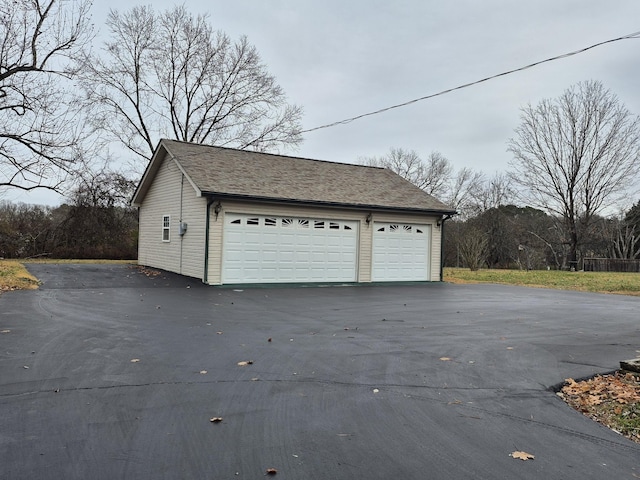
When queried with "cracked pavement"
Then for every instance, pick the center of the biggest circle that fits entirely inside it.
(109, 373)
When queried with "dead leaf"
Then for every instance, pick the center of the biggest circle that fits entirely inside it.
(445, 359)
(135, 360)
(219, 333)
(522, 455)
(245, 363)
(215, 419)
(271, 471)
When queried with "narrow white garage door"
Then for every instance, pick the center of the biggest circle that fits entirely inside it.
(269, 249)
(401, 252)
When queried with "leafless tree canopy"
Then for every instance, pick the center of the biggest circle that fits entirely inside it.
(431, 175)
(436, 176)
(171, 75)
(576, 155)
(39, 126)
(494, 192)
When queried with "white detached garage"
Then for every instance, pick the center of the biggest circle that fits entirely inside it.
(239, 217)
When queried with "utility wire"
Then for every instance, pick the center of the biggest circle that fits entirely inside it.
(466, 85)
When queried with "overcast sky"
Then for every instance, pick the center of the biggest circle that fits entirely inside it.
(338, 59)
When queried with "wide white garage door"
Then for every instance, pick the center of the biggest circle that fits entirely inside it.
(401, 252)
(269, 249)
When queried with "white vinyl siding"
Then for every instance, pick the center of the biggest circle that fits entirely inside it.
(170, 195)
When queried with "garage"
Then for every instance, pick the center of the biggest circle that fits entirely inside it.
(277, 249)
(400, 252)
(229, 217)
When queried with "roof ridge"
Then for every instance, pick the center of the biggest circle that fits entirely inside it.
(253, 152)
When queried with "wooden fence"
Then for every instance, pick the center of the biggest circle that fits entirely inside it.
(611, 265)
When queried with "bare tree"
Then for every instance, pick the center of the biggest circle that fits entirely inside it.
(625, 243)
(39, 127)
(436, 176)
(473, 246)
(463, 190)
(575, 156)
(431, 175)
(493, 193)
(171, 75)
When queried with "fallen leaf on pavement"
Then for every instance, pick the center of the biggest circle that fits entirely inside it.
(522, 455)
(135, 360)
(271, 471)
(245, 363)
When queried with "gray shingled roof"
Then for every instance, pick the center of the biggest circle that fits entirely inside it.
(241, 173)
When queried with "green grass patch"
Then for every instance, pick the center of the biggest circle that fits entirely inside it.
(602, 282)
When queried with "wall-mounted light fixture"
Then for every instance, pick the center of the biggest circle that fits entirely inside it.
(217, 208)
(369, 217)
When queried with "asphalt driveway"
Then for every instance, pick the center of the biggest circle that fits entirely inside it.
(108, 373)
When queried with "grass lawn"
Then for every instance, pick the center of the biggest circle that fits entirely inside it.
(603, 282)
(13, 276)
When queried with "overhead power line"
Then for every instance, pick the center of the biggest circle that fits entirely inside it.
(466, 85)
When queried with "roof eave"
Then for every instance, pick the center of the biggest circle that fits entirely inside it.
(318, 203)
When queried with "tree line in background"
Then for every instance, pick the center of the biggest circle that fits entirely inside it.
(96, 223)
(576, 159)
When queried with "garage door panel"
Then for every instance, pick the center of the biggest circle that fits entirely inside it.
(401, 252)
(271, 249)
